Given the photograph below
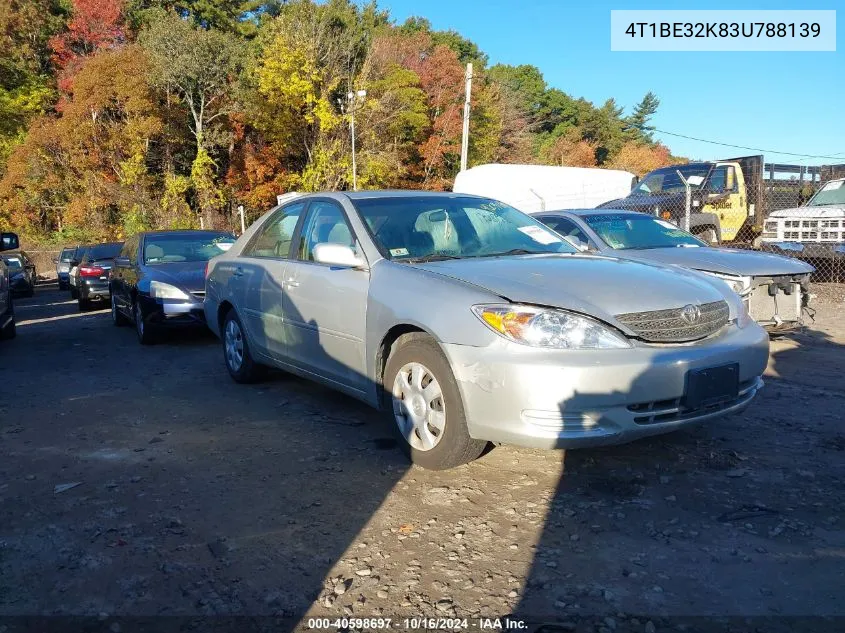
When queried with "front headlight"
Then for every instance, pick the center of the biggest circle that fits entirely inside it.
(161, 290)
(549, 328)
(740, 285)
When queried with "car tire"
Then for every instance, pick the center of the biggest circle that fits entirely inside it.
(9, 331)
(417, 365)
(145, 331)
(84, 304)
(74, 294)
(708, 235)
(30, 292)
(241, 365)
(118, 318)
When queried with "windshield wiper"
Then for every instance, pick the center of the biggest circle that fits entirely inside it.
(517, 251)
(431, 257)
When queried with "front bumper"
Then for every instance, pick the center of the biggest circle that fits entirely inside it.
(519, 395)
(170, 313)
(19, 285)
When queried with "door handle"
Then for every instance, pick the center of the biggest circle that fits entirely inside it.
(238, 272)
(292, 283)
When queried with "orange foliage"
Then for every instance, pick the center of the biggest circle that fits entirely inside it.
(639, 158)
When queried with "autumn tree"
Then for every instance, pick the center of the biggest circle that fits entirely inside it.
(640, 158)
(26, 82)
(200, 67)
(94, 25)
(637, 124)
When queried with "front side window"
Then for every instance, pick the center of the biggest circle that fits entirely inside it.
(324, 224)
(185, 247)
(66, 255)
(439, 227)
(567, 228)
(275, 237)
(639, 231)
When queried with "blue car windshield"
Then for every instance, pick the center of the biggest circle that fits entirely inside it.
(629, 231)
(438, 227)
(167, 248)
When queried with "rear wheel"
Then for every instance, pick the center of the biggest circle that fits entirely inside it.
(425, 407)
(84, 304)
(236, 353)
(74, 294)
(145, 331)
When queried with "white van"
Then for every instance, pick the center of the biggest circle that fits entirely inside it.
(536, 188)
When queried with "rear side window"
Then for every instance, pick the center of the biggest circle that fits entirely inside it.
(275, 237)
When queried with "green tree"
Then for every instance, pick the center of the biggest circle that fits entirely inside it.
(637, 124)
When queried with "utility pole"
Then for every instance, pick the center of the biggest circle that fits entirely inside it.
(243, 225)
(465, 134)
(353, 100)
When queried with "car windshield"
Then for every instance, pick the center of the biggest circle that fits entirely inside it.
(624, 231)
(832, 193)
(105, 251)
(13, 262)
(423, 227)
(666, 180)
(67, 255)
(185, 247)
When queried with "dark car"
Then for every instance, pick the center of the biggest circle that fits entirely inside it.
(63, 266)
(22, 275)
(92, 275)
(8, 241)
(158, 279)
(73, 271)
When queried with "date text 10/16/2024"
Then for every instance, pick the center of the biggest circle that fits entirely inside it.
(417, 624)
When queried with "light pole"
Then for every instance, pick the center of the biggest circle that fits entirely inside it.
(354, 99)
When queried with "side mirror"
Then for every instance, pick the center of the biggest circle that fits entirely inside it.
(55, 260)
(9, 241)
(337, 255)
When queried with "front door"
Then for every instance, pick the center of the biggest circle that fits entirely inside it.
(326, 306)
(729, 202)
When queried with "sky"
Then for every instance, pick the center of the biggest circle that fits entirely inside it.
(783, 101)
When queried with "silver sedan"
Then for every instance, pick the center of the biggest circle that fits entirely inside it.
(469, 322)
(775, 288)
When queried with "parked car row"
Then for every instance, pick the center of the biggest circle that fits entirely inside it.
(464, 320)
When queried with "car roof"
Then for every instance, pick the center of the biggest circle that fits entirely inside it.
(393, 193)
(186, 232)
(588, 212)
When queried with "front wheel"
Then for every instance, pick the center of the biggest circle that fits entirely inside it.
(425, 406)
(117, 317)
(144, 330)
(708, 235)
(236, 353)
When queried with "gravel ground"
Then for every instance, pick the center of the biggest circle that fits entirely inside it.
(144, 482)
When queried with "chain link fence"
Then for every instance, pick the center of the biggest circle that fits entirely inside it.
(791, 210)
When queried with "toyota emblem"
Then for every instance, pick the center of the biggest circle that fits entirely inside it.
(691, 314)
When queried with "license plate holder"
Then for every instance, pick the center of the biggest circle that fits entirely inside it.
(711, 386)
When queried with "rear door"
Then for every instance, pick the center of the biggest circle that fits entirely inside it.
(118, 273)
(325, 307)
(256, 283)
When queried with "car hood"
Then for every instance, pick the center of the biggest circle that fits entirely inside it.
(591, 284)
(647, 204)
(807, 213)
(724, 261)
(188, 276)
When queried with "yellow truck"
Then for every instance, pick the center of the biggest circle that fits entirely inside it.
(725, 197)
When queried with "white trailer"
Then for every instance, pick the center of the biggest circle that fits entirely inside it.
(536, 188)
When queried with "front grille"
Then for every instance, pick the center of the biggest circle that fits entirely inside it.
(668, 326)
(675, 411)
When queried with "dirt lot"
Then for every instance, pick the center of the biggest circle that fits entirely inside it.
(199, 497)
